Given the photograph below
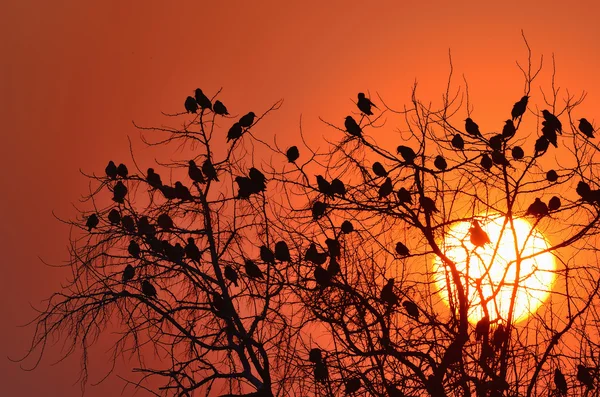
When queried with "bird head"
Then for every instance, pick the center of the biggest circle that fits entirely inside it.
(361, 95)
(391, 281)
(198, 91)
(508, 122)
(192, 163)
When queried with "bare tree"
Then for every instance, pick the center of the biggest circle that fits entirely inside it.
(418, 254)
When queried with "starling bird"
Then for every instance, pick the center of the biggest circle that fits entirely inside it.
(191, 250)
(411, 308)
(234, 132)
(315, 355)
(440, 163)
(148, 289)
(114, 217)
(387, 293)
(292, 154)
(128, 273)
(552, 121)
(509, 129)
(379, 170)
(282, 252)
(560, 382)
(478, 236)
(220, 109)
(584, 376)
(518, 153)
(202, 99)
(428, 204)
(458, 142)
(338, 187)
(321, 372)
(334, 247)
(347, 227)
(554, 203)
(586, 128)
(334, 267)
(407, 154)
(549, 133)
(551, 176)
(111, 170)
(314, 256)
(92, 222)
(128, 223)
(194, 172)
(352, 127)
(134, 249)
(168, 191)
(190, 105)
(266, 255)
(386, 188)
(245, 187)
(230, 273)
(541, 145)
(500, 336)
(583, 190)
(499, 158)
(119, 192)
(144, 227)
(482, 328)
(252, 270)
(247, 120)
(122, 170)
(322, 276)
(324, 186)
(209, 170)
(486, 162)
(539, 209)
(471, 127)
(153, 179)
(519, 108)
(495, 142)
(352, 385)
(364, 104)
(401, 249)
(258, 180)
(165, 222)
(404, 196)
(182, 192)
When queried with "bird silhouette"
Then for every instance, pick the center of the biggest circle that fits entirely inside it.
(554, 204)
(338, 187)
(282, 252)
(209, 170)
(407, 154)
(352, 385)
(560, 382)
(428, 205)
(314, 256)
(499, 158)
(453, 353)
(144, 227)
(379, 170)
(202, 100)
(194, 172)
(541, 145)
(190, 105)
(292, 154)
(552, 121)
(500, 336)
(322, 276)
(258, 180)
(334, 247)
(247, 120)
(182, 192)
(266, 255)
(122, 170)
(156, 246)
(315, 355)
(92, 222)
(458, 142)
(148, 289)
(482, 328)
(347, 227)
(539, 209)
(584, 376)
(111, 170)
(134, 249)
(119, 192)
(519, 108)
(321, 372)
(386, 188)
(324, 186)
(517, 153)
(153, 179)
(486, 162)
(128, 223)
(388, 295)
(165, 222)
(245, 187)
(586, 128)
(128, 273)
(220, 109)
(509, 130)
(404, 196)
(471, 127)
(252, 269)
(352, 126)
(477, 235)
(334, 267)
(168, 191)
(412, 309)
(191, 250)
(583, 190)
(549, 133)
(230, 273)
(496, 141)
(440, 163)
(114, 217)
(401, 249)
(364, 104)
(318, 209)
(235, 132)
(551, 176)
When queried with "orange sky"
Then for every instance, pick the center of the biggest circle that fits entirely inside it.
(74, 75)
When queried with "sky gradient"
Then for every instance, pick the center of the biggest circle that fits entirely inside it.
(74, 74)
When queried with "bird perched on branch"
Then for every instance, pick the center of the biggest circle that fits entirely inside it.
(190, 105)
(584, 376)
(509, 129)
(191, 250)
(407, 154)
(539, 209)
(318, 209)
(440, 163)
(352, 126)
(404, 196)
(401, 249)
(478, 236)
(92, 222)
(560, 382)
(209, 170)
(230, 273)
(153, 179)
(379, 170)
(519, 108)
(134, 249)
(252, 269)
(482, 328)
(324, 186)
(472, 128)
(111, 170)
(220, 109)
(412, 309)
(282, 252)
(202, 100)
(552, 121)
(266, 255)
(388, 295)
(364, 104)
(194, 172)
(586, 128)
(128, 273)
(554, 203)
(386, 188)
(235, 132)
(119, 192)
(247, 120)
(314, 256)
(458, 142)
(292, 154)
(114, 217)
(148, 289)
(517, 153)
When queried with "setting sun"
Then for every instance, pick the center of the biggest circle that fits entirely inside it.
(493, 266)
